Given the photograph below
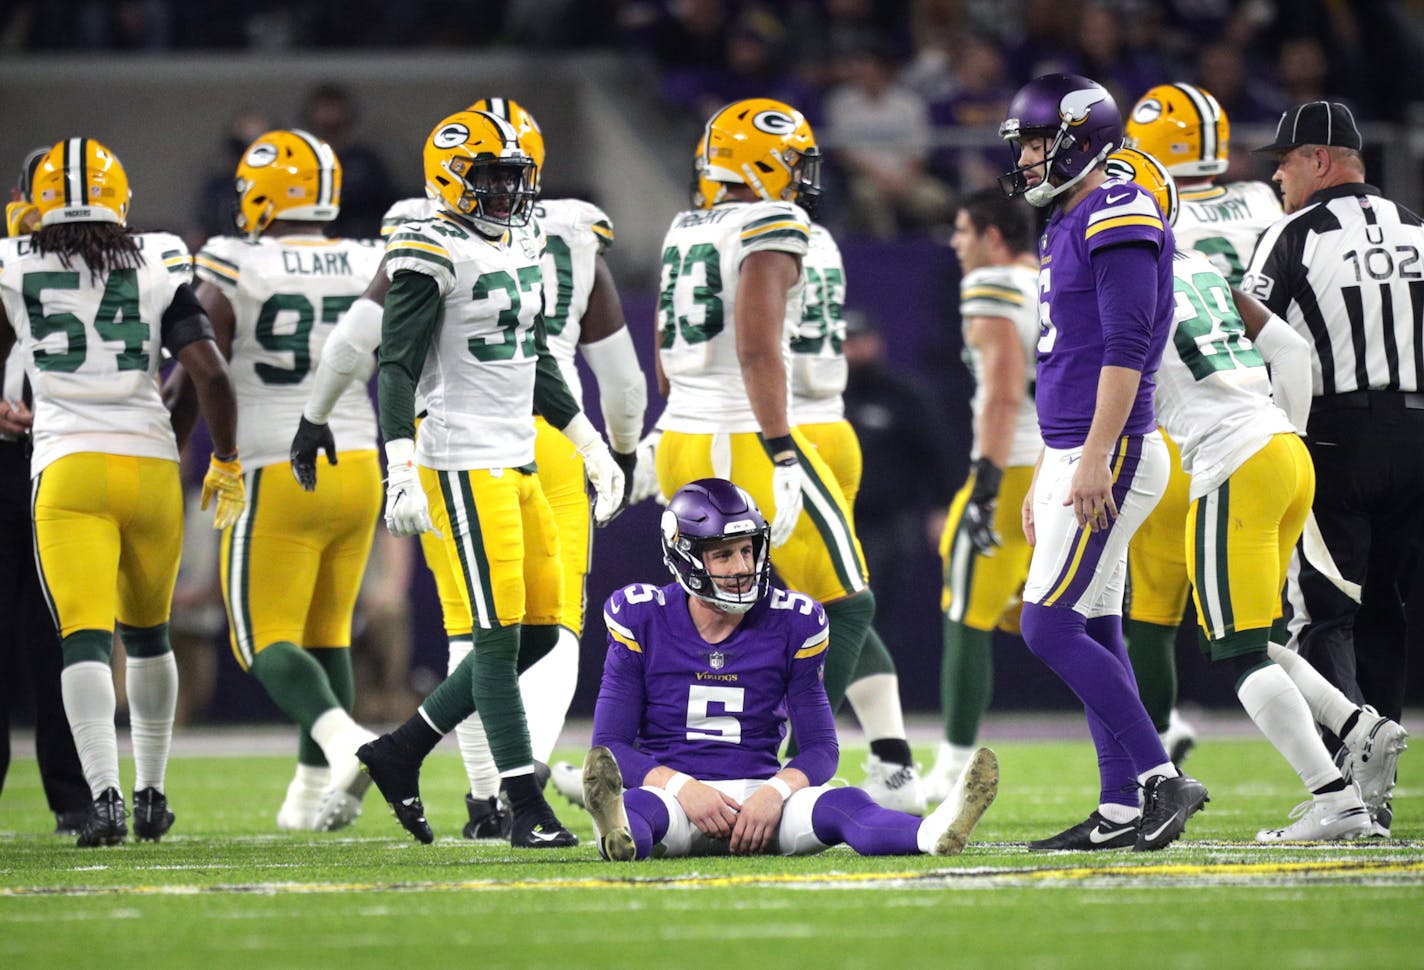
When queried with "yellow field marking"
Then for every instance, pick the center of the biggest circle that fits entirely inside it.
(1164, 871)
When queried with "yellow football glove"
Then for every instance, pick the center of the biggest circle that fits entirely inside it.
(224, 482)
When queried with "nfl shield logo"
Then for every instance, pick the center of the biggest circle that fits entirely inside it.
(716, 659)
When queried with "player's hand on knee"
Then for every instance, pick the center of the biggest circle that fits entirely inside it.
(757, 822)
(407, 510)
(713, 812)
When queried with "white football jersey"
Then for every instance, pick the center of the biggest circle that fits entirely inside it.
(818, 364)
(1224, 221)
(478, 376)
(286, 294)
(1010, 292)
(1213, 393)
(92, 349)
(575, 233)
(697, 342)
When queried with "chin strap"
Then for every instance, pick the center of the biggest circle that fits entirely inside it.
(1044, 192)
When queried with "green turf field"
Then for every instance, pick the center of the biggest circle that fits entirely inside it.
(225, 889)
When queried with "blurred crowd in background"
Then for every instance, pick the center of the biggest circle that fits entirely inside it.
(902, 92)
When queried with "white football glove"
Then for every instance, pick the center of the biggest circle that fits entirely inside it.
(645, 474)
(603, 472)
(407, 511)
(786, 485)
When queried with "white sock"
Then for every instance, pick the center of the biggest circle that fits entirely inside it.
(1276, 705)
(1166, 769)
(1328, 706)
(153, 697)
(88, 691)
(470, 733)
(548, 689)
(338, 735)
(957, 755)
(1120, 814)
(876, 701)
(312, 777)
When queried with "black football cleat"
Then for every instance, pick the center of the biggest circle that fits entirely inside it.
(151, 817)
(488, 820)
(540, 828)
(1090, 835)
(398, 778)
(1166, 805)
(70, 822)
(106, 822)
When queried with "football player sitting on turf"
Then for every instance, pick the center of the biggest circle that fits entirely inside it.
(700, 678)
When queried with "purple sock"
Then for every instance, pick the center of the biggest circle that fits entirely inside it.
(849, 815)
(1099, 673)
(647, 818)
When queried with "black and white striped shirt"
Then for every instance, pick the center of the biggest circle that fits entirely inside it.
(1347, 272)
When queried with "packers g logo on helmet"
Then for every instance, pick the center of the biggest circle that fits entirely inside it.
(1183, 127)
(79, 180)
(475, 169)
(1138, 167)
(526, 129)
(765, 145)
(286, 174)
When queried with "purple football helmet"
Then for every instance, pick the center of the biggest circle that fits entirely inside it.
(711, 510)
(1081, 122)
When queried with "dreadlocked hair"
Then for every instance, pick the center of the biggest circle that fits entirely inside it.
(103, 246)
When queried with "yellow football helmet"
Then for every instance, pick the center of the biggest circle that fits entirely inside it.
(1132, 165)
(79, 180)
(287, 174)
(766, 145)
(705, 192)
(531, 138)
(21, 216)
(1183, 127)
(475, 168)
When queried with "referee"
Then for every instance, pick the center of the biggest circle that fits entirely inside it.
(1345, 267)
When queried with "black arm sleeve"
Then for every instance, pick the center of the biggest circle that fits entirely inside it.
(184, 322)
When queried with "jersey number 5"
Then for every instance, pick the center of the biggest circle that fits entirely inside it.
(702, 726)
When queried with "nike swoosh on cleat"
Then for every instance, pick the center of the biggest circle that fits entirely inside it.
(1152, 836)
(1098, 836)
(544, 836)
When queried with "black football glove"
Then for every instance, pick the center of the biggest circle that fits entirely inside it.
(979, 511)
(309, 439)
(627, 463)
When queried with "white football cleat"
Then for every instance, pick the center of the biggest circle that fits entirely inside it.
(1178, 739)
(341, 802)
(304, 795)
(893, 786)
(946, 830)
(603, 794)
(950, 762)
(1373, 757)
(1336, 817)
(568, 781)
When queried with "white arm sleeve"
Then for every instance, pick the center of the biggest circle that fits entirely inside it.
(1288, 353)
(622, 390)
(347, 352)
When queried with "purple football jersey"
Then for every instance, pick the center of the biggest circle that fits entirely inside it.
(1071, 345)
(715, 711)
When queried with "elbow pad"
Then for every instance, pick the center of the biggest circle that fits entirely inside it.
(622, 390)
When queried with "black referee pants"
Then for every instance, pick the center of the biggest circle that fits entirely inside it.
(1368, 449)
(30, 658)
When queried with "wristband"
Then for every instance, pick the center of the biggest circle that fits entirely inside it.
(783, 449)
(226, 459)
(676, 783)
(780, 787)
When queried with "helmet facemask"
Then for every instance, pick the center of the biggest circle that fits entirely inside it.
(498, 192)
(1061, 142)
(700, 517)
